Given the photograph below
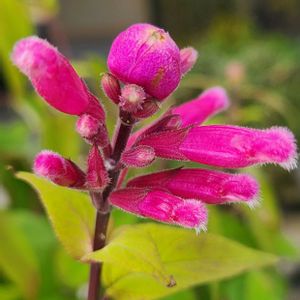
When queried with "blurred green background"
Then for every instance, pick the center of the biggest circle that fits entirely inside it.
(251, 48)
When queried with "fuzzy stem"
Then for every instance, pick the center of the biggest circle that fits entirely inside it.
(125, 124)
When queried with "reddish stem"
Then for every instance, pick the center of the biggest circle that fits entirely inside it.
(101, 202)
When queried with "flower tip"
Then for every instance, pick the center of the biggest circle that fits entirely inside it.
(188, 58)
(222, 101)
(191, 213)
(43, 160)
(286, 151)
(22, 55)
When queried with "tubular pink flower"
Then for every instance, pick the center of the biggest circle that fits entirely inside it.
(58, 169)
(52, 76)
(161, 206)
(147, 56)
(207, 104)
(97, 177)
(225, 146)
(211, 187)
(139, 157)
(188, 57)
(238, 147)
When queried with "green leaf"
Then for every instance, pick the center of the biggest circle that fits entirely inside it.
(137, 256)
(70, 212)
(9, 292)
(121, 252)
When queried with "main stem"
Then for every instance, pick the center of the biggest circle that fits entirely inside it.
(125, 124)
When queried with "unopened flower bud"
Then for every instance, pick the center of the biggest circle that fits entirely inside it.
(139, 157)
(58, 169)
(132, 97)
(147, 56)
(92, 130)
(148, 108)
(54, 78)
(97, 177)
(111, 87)
(188, 57)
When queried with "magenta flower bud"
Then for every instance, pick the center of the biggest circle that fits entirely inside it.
(58, 169)
(188, 57)
(147, 56)
(148, 108)
(161, 206)
(211, 187)
(52, 75)
(92, 130)
(111, 87)
(207, 104)
(238, 147)
(139, 157)
(97, 177)
(132, 97)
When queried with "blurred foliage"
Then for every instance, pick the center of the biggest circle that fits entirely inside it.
(262, 74)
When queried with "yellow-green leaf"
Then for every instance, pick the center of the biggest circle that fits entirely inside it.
(70, 212)
(189, 258)
(132, 249)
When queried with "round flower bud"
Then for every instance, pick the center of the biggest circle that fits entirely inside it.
(147, 56)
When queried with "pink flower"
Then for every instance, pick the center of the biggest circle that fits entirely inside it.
(147, 56)
(54, 78)
(58, 169)
(161, 206)
(224, 146)
(212, 187)
(207, 104)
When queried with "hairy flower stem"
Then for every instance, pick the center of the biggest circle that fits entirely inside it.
(100, 200)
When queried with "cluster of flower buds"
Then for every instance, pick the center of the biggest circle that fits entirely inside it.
(57, 82)
(149, 65)
(145, 67)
